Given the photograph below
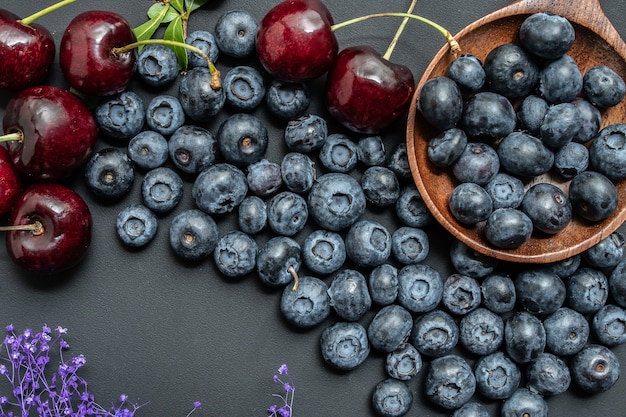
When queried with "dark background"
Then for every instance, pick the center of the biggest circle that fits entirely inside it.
(171, 333)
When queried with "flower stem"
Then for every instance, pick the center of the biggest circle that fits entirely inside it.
(396, 37)
(454, 45)
(36, 228)
(12, 137)
(30, 19)
(294, 274)
(215, 74)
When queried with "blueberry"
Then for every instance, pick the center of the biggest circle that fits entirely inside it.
(349, 295)
(617, 283)
(434, 333)
(323, 251)
(136, 225)
(370, 150)
(383, 284)
(561, 123)
(252, 215)
(539, 290)
(199, 100)
(510, 71)
(506, 191)
(121, 116)
(565, 267)
(157, 65)
(344, 345)
(308, 305)
(161, 189)
(469, 203)
(591, 120)
(244, 88)
(164, 114)
(461, 294)
(524, 402)
(478, 163)
(381, 186)
(277, 260)
(192, 149)
(409, 245)
(287, 100)
(298, 172)
(403, 363)
(571, 160)
(488, 116)
(193, 235)
(148, 150)
(368, 243)
(498, 293)
(264, 178)
(306, 133)
(390, 328)
(204, 41)
(609, 325)
(548, 375)
(603, 86)
(560, 80)
(587, 290)
(593, 196)
(109, 173)
(420, 288)
(235, 33)
(469, 262)
(242, 139)
(497, 376)
(338, 153)
(411, 209)
(398, 161)
(219, 188)
(446, 147)
(235, 254)
(287, 213)
(336, 201)
(567, 332)
(468, 72)
(548, 207)
(441, 102)
(524, 337)
(449, 382)
(546, 35)
(595, 369)
(607, 153)
(392, 398)
(471, 409)
(524, 155)
(607, 253)
(481, 331)
(531, 112)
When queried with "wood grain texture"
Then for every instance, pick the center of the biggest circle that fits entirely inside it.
(597, 42)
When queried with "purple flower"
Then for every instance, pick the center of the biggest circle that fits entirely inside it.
(288, 387)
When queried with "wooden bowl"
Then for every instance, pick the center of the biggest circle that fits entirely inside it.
(597, 42)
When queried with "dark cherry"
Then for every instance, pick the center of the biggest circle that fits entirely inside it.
(51, 132)
(10, 182)
(365, 92)
(27, 52)
(86, 57)
(60, 228)
(295, 41)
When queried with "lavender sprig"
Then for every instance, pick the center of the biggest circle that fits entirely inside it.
(289, 389)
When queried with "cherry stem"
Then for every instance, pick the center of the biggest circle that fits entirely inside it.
(12, 137)
(30, 19)
(396, 37)
(294, 274)
(215, 73)
(36, 228)
(454, 45)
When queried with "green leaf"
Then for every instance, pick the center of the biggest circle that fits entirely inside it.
(170, 15)
(179, 5)
(192, 5)
(156, 9)
(174, 32)
(156, 16)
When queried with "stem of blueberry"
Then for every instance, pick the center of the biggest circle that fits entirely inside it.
(35, 227)
(396, 37)
(30, 19)
(12, 137)
(294, 274)
(215, 73)
(454, 45)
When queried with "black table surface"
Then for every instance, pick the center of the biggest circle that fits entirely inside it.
(170, 333)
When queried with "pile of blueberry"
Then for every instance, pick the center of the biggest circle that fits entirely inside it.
(527, 115)
(480, 334)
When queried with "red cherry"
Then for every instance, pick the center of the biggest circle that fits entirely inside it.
(60, 233)
(54, 132)
(365, 92)
(10, 182)
(27, 52)
(85, 53)
(295, 41)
